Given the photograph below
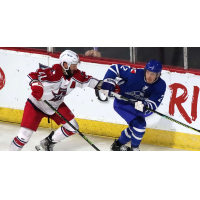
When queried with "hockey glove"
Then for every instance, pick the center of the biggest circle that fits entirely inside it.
(108, 86)
(99, 84)
(140, 105)
(117, 89)
(37, 90)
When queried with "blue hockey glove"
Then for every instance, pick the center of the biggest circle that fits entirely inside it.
(108, 86)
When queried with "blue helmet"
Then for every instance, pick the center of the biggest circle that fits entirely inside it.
(154, 66)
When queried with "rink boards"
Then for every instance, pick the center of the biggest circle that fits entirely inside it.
(99, 118)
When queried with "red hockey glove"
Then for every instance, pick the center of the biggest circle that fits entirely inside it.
(37, 90)
(117, 89)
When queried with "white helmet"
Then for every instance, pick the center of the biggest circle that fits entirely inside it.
(69, 57)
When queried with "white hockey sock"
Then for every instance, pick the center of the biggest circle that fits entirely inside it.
(20, 140)
(65, 131)
(61, 134)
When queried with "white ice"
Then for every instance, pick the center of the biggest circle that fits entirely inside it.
(74, 143)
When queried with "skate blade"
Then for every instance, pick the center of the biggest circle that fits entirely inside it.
(38, 148)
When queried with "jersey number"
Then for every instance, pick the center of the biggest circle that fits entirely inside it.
(161, 98)
(42, 76)
(125, 68)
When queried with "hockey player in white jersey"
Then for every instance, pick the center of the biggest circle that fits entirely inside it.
(52, 84)
(146, 88)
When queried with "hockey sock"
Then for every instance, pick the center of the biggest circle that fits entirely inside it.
(125, 137)
(65, 131)
(22, 138)
(137, 128)
(61, 134)
(136, 136)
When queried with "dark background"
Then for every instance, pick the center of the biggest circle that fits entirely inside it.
(166, 55)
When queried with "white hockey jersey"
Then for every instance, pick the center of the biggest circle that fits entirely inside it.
(56, 86)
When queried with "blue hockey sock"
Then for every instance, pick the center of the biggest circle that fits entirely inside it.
(136, 136)
(125, 136)
(137, 128)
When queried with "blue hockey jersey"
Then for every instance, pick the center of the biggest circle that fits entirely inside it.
(134, 86)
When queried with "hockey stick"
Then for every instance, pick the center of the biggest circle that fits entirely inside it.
(70, 125)
(153, 111)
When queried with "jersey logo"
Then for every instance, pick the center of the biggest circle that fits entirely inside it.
(61, 93)
(73, 85)
(152, 68)
(53, 71)
(133, 71)
(145, 88)
(136, 94)
(2, 79)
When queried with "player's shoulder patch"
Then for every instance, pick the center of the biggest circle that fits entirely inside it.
(57, 68)
(133, 71)
(55, 73)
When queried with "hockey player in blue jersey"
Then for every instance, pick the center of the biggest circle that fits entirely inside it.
(145, 88)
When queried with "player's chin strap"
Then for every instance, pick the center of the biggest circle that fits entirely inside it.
(71, 125)
(118, 96)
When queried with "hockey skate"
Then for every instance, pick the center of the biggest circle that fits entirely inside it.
(135, 149)
(116, 147)
(47, 143)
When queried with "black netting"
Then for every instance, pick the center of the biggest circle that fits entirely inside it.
(78, 50)
(166, 55)
(45, 48)
(194, 57)
(122, 53)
